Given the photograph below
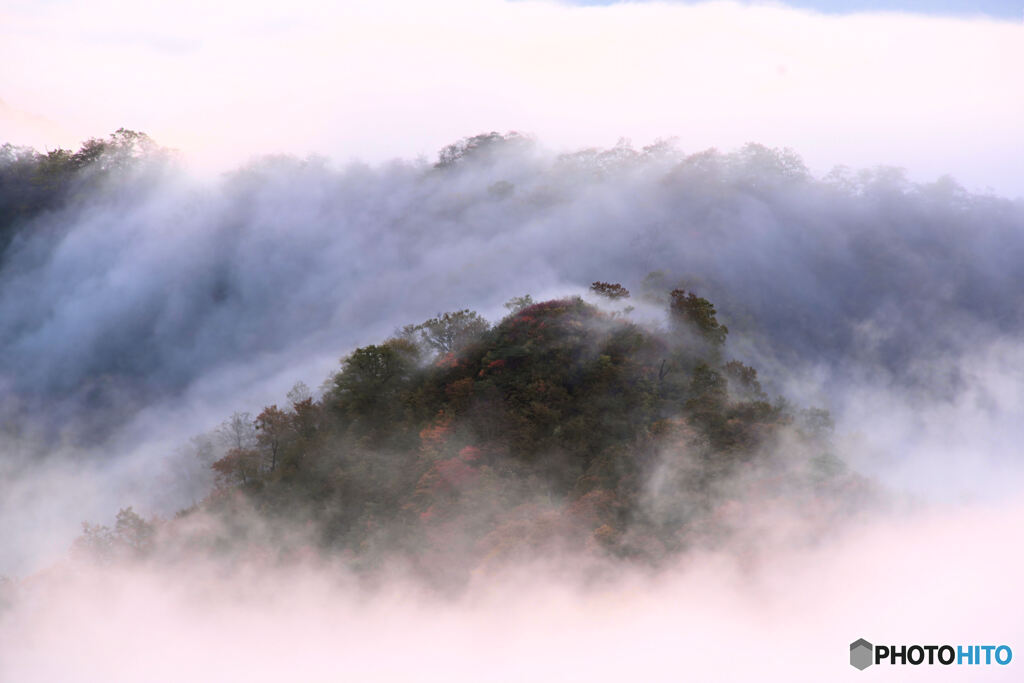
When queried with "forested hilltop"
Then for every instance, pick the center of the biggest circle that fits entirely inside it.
(456, 445)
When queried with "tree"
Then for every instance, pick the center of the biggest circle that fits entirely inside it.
(371, 378)
(122, 149)
(743, 383)
(688, 309)
(482, 146)
(306, 418)
(708, 402)
(187, 474)
(299, 393)
(133, 532)
(96, 543)
(132, 537)
(518, 303)
(610, 290)
(450, 332)
(758, 167)
(239, 466)
(237, 432)
(272, 428)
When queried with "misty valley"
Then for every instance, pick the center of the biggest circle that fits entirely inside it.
(635, 367)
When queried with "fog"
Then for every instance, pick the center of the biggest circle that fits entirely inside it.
(145, 313)
(140, 317)
(786, 613)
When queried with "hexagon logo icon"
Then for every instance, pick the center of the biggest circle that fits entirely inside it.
(860, 654)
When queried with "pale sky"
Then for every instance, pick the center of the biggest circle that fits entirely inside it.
(934, 93)
(1005, 9)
